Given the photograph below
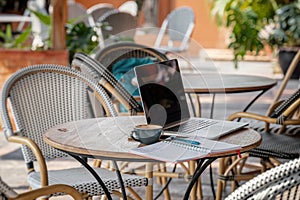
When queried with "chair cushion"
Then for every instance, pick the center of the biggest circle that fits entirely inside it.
(123, 71)
(83, 181)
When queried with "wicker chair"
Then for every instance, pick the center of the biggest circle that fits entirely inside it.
(41, 97)
(98, 72)
(113, 53)
(280, 133)
(7, 192)
(100, 69)
(281, 182)
(179, 25)
(118, 26)
(96, 11)
(121, 51)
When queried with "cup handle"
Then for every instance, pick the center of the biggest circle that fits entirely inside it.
(132, 136)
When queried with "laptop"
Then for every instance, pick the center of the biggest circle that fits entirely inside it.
(164, 102)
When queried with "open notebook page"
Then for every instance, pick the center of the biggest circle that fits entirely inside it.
(179, 151)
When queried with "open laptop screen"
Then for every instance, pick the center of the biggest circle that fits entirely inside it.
(162, 93)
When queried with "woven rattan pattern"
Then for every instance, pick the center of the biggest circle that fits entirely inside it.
(6, 191)
(282, 182)
(284, 146)
(84, 184)
(95, 68)
(113, 53)
(40, 96)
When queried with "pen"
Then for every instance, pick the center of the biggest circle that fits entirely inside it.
(193, 142)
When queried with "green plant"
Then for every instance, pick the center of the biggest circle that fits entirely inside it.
(246, 19)
(79, 36)
(9, 40)
(285, 30)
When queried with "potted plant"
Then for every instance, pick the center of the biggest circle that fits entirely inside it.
(248, 20)
(284, 35)
(79, 36)
(16, 53)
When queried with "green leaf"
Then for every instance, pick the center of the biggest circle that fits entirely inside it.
(9, 36)
(20, 39)
(46, 19)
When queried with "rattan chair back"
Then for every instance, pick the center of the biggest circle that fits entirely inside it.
(43, 96)
(113, 53)
(96, 11)
(97, 71)
(122, 25)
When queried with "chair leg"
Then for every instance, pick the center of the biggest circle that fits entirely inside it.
(164, 182)
(97, 163)
(119, 194)
(199, 189)
(220, 183)
(136, 196)
(192, 167)
(159, 179)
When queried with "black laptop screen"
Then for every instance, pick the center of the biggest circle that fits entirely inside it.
(162, 93)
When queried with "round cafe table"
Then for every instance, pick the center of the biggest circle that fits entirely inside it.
(107, 139)
(224, 84)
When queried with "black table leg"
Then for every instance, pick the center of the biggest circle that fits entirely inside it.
(212, 106)
(202, 165)
(192, 105)
(92, 171)
(253, 100)
(120, 180)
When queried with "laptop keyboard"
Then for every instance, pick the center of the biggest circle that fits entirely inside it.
(192, 125)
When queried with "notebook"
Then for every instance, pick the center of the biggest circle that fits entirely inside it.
(164, 102)
(185, 150)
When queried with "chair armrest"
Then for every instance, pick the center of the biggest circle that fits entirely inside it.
(37, 153)
(252, 116)
(115, 93)
(137, 98)
(291, 109)
(52, 189)
(263, 118)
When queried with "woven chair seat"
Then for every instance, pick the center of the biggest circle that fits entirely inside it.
(284, 146)
(280, 146)
(83, 181)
